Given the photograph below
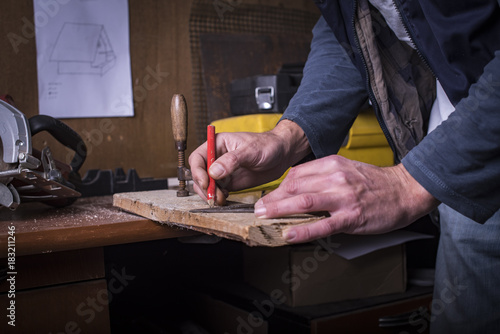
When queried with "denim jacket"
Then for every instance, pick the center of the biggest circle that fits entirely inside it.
(354, 56)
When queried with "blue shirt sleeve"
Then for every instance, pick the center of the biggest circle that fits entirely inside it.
(459, 162)
(330, 95)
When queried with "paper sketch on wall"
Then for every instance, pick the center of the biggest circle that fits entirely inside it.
(83, 49)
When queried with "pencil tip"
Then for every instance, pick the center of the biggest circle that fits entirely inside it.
(211, 203)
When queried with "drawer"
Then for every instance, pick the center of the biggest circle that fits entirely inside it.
(70, 308)
(42, 270)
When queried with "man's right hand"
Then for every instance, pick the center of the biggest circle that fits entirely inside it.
(248, 159)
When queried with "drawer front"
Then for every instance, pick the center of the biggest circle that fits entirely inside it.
(70, 308)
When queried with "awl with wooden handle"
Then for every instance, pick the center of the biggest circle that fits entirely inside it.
(178, 112)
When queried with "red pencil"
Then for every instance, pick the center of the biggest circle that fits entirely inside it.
(210, 160)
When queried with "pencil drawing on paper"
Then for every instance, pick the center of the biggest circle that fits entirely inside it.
(83, 49)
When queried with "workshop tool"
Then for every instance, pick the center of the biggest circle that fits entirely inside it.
(232, 208)
(245, 208)
(178, 113)
(29, 175)
(210, 160)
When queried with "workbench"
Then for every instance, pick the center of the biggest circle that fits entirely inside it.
(91, 268)
(59, 263)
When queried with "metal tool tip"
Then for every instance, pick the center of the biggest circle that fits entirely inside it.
(211, 203)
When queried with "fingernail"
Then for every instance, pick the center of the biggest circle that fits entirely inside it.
(216, 170)
(290, 236)
(260, 211)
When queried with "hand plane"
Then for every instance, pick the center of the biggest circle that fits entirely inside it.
(30, 175)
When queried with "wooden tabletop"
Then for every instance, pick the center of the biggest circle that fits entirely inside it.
(89, 222)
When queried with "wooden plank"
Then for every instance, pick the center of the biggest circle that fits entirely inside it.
(165, 207)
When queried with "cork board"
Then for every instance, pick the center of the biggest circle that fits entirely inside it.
(165, 207)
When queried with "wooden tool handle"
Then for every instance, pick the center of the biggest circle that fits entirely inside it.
(178, 112)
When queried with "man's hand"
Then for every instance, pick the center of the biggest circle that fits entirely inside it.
(248, 159)
(360, 198)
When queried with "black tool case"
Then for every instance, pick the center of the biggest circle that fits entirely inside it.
(265, 93)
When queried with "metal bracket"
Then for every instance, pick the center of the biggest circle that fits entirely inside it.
(264, 96)
(53, 188)
(50, 170)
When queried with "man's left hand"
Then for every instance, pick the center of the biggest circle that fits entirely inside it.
(361, 198)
